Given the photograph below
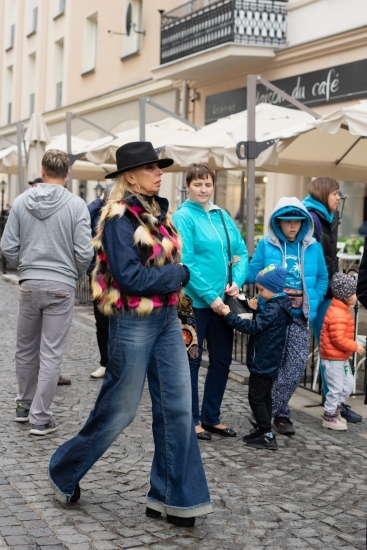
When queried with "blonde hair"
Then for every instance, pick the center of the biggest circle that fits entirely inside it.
(122, 188)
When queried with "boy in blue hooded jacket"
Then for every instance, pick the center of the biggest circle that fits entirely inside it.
(290, 244)
(265, 348)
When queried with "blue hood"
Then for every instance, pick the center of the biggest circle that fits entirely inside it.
(312, 204)
(284, 205)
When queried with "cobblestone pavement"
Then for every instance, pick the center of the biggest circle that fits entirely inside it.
(309, 494)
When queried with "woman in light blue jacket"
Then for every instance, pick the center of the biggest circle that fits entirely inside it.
(205, 253)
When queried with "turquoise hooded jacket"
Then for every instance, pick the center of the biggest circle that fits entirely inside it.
(205, 251)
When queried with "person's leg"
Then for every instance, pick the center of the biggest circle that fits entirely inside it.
(334, 373)
(316, 328)
(348, 382)
(202, 317)
(57, 304)
(220, 341)
(130, 348)
(292, 368)
(28, 343)
(257, 397)
(102, 323)
(178, 483)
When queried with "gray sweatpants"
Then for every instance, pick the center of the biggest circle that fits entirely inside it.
(340, 383)
(45, 315)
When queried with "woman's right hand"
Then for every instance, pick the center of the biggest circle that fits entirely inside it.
(217, 305)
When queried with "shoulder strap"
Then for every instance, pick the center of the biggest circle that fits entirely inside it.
(230, 265)
(317, 223)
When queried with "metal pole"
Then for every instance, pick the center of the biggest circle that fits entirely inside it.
(142, 104)
(20, 156)
(69, 116)
(250, 200)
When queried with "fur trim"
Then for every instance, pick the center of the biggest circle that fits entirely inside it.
(142, 237)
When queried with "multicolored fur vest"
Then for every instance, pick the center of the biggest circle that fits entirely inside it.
(158, 243)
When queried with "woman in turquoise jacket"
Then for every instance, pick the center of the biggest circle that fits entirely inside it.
(291, 245)
(205, 253)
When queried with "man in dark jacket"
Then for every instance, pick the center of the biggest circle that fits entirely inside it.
(102, 322)
(265, 349)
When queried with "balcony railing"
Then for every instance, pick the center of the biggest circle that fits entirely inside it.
(201, 24)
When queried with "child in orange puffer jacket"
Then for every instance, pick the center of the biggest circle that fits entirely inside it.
(336, 345)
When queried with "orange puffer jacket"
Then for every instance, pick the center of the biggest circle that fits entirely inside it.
(337, 334)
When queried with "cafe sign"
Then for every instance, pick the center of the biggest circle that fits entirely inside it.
(340, 83)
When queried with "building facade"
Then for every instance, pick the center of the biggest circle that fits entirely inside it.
(193, 58)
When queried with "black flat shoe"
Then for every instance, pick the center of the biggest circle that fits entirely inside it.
(76, 494)
(225, 432)
(203, 436)
(150, 513)
(181, 522)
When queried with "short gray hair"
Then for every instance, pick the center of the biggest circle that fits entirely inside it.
(56, 163)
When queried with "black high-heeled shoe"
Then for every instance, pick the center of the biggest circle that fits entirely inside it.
(181, 522)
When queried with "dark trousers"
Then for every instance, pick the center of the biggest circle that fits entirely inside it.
(259, 398)
(219, 337)
(102, 325)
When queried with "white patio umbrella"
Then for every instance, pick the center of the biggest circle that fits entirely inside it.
(333, 145)
(216, 143)
(37, 136)
(159, 133)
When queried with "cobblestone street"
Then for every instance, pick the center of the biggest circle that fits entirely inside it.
(310, 494)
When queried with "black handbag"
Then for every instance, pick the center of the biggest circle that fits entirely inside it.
(238, 305)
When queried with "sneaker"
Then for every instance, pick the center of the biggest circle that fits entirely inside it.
(349, 415)
(43, 429)
(332, 422)
(263, 442)
(252, 435)
(283, 426)
(99, 373)
(21, 413)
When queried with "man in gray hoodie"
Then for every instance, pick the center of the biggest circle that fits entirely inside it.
(48, 238)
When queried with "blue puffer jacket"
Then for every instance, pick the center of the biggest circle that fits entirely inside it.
(270, 250)
(267, 335)
(204, 251)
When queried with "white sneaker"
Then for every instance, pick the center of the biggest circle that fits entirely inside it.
(333, 423)
(341, 419)
(99, 373)
(43, 429)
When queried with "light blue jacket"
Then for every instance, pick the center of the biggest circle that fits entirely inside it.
(205, 251)
(271, 250)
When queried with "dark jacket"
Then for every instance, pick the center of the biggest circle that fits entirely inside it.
(267, 335)
(362, 277)
(94, 208)
(326, 233)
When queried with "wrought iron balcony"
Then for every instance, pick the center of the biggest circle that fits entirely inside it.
(202, 24)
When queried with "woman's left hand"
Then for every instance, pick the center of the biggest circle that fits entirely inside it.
(232, 290)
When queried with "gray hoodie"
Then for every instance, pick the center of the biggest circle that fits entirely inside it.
(48, 235)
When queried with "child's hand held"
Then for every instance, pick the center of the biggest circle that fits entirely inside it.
(361, 350)
(225, 310)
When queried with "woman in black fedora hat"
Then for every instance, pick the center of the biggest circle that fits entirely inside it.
(137, 280)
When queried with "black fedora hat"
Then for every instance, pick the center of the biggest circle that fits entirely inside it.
(135, 154)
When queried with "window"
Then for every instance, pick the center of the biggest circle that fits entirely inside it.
(9, 93)
(58, 71)
(10, 11)
(31, 17)
(11, 39)
(32, 82)
(90, 43)
(131, 44)
(59, 8)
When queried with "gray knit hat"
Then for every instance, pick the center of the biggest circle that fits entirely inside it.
(343, 286)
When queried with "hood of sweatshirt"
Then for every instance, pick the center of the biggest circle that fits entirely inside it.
(312, 204)
(46, 199)
(284, 205)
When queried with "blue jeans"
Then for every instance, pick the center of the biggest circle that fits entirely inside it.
(219, 337)
(140, 346)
